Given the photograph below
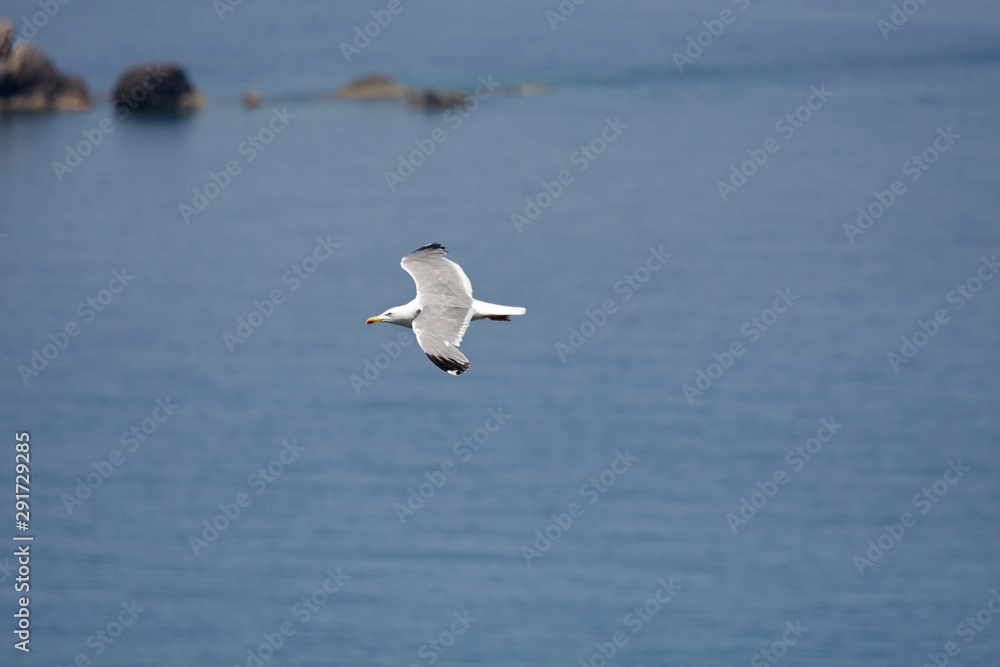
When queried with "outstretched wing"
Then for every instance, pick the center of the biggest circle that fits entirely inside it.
(438, 348)
(444, 295)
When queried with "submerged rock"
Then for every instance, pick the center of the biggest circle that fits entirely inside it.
(528, 89)
(383, 87)
(30, 82)
(252, 98)
(156, 87)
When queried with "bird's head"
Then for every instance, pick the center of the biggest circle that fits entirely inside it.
(401, 315)
(384, 317)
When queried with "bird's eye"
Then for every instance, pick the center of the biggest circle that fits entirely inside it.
(389, 314)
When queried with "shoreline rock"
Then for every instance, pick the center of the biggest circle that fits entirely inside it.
(30, 82)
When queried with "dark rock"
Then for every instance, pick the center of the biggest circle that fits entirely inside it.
(30, 82)
(156, 87)
(435, 99)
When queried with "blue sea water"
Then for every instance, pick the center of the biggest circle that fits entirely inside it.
(680, 460)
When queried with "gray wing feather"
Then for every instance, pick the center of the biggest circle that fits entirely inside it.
(445, 355)
(437, 277)
(445, 297)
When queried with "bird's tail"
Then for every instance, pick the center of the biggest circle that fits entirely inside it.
(494, 311)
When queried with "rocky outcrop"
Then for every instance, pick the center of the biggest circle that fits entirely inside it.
(156, 88)
(371, 87)
(384, 87)
(30, 82)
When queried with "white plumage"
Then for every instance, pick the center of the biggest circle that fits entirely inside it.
(443, 307)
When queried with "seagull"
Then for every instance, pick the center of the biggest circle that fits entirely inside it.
(443, 307)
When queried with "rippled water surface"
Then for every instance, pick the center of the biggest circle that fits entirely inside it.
(735, 418)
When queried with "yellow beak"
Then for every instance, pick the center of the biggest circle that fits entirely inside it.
(372, 320)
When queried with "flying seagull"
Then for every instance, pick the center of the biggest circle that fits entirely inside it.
(443, 307)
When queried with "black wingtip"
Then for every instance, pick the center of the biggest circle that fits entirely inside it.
(452, 366)
(431, 246)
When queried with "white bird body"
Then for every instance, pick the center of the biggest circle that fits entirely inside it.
(404, 315)
(443, 307)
